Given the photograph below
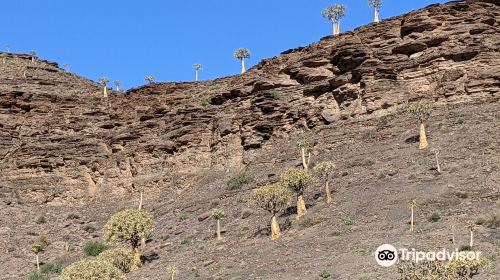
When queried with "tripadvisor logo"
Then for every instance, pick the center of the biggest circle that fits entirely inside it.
(387, 255)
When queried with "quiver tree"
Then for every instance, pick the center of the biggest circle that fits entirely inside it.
(218, 215)
(121, 258)
(334, 13)
(412, 204)
(436, 153)
(376, 5)
(66, 67)
(242, 54)
(33, 56)
(129, 226)
(471, 229)
(91, 270)
(272, 198)
(197, 68)
(104, 82)
(297, 180)
(150, 79)
(422, 112)
(305, 148)
(172, 270)
(7, 47)
(37, 247)
(324, 169)
(3, 56)
(117, 85)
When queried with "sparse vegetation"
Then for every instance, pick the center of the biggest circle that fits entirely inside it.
(121, 258)
(297, 180)
(422, 112)
(93, 248)
(205, 101)
(275, 94)
(325, 274)
(456, 269)
(40, 220)
(218, 215)
(91, 270)
(129, 226)
(51, 268)
(272, 198)
(349, 221)
(72, 216)
(324, 169)
(490, 221)
(239, 179)
(242, 54)
(334, 13)
(38, 276)
(90, 228)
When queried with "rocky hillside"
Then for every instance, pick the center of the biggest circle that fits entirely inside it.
(64, 147)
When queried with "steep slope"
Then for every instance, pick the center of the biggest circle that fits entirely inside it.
(65, 147)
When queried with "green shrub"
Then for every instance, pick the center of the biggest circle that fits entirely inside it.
(38, 276)
(40, 220)
(130, 226)
(72, 216)
(239, 179)
(121, 258)
(349, 221)
(89, 228)
(49, 268)
(205, 101)
(91, 270)
(437, 270)
(324, 274)
(93, 248)
(491, 221)
(275, 95)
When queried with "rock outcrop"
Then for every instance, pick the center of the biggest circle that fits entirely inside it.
(61, 141)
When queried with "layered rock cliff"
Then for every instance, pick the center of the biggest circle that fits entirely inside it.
(61, 141)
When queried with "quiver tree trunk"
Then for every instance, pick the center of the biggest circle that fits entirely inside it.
(471, 243)
(105, 92)
(140, 199)
(328, 195)
(423, 136)
(438, 166)
(243, 68)
(196, 79)
(37, 262)
(275, 228)
(336, 28)
(136, 259)
(411, 221)
(304, 162)
(301, 205)
(219, 236)
(375, 16)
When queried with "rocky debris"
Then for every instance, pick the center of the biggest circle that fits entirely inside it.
(61, 141)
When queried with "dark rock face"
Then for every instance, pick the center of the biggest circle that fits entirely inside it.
(61, 141)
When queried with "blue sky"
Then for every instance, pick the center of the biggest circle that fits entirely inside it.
(128, 40)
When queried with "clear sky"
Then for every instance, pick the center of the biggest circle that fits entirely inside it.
(127, 40)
